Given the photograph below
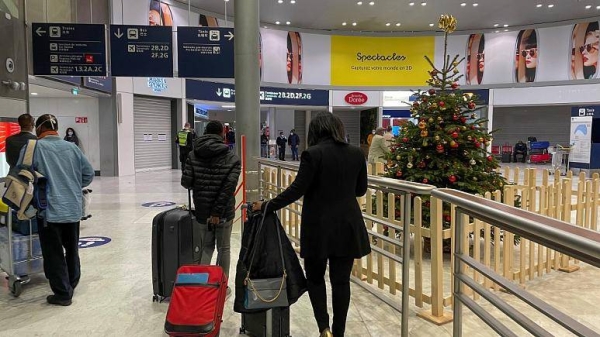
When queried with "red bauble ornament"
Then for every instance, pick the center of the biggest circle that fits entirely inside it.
(399, 174)
(405, 140)
(490, 158)
(473, 127)
(442, 104)
(454, 134)
(452, 179)
(463, 119)
(455, 117)
(431, 92)
(416, 104)
(439, 148)
(455, 85)
(447, 218)
(472, 105)
(425, 181)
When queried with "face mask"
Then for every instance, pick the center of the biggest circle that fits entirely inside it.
(291, 133)
(70, 133)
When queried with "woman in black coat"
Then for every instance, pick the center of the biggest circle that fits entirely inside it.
(332, 174)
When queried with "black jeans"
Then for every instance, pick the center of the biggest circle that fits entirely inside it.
(339, 276)
(62, 268)
(282, 153)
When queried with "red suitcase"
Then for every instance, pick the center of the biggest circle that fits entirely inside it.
(197, 302)
(540, 158)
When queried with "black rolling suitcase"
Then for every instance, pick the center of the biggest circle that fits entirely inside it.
(175, 242)
(271, 323)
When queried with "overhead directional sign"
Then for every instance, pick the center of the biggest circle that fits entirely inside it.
(205, 52)
(223, 92)
(141, 51)
(69, 49)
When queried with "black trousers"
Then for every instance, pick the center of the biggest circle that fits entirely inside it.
(339, 276)
(59, 242)
(183, 157)
(282, 153)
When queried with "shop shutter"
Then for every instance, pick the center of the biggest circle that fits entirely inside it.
(152, 119)
(351, 120)
(300, 127)
(548, 123)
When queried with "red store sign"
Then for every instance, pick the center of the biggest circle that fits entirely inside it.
(356, 98)
(81, 120)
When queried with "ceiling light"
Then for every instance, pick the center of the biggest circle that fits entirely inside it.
(475, 4)
(411, 3)
(423, 4)
(359, 3)
(496, 25)
(505, 26)
(431, 25)
(293, 2)
(280, 1)
(588, 6)
(226, 0)
(344, 23)
(398, 24)
(388, 24)
(228, 106)
(506, 30)
(597, 7)
(277, 22)
(287, 22)
(372, 3)
(550, 6)
(354, 23)
(539, 5)
(463, 4)
(34, 94)
(497, 31)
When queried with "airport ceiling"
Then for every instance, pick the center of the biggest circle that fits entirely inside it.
(410, 15)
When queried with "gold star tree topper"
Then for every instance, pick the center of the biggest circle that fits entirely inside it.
(447, 23)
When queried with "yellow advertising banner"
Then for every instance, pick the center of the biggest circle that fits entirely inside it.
(380, 61)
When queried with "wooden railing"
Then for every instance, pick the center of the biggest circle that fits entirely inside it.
(432, 239)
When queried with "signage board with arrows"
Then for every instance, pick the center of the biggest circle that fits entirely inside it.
(66, 49)
(205, 52)
(141, 51)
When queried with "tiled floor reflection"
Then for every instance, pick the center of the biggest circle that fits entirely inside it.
(115, 294)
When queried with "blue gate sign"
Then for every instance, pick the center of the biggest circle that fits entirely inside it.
(67, 49)
(141, 51)
(205, 52)
(93, 241)
(157, 204)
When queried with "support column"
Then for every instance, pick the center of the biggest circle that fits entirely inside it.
(247, 87)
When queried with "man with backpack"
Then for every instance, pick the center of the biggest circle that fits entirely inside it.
(67, 171)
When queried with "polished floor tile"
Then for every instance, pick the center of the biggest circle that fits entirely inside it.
(115, 294)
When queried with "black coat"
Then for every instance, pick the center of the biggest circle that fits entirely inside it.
(330, 177)
(14, 144)
(267, 262)
(212, 171)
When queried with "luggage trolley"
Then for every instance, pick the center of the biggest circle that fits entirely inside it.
(20, 255)
(560, 159)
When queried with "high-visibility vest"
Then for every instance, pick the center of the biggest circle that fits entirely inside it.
(183, 136)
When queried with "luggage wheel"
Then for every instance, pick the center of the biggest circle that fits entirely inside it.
(15, 285)
(155, 298)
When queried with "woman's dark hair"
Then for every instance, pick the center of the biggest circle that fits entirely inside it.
(326, 126)
(290, 54)
(74, 133)
(480, 50)
(590, 71)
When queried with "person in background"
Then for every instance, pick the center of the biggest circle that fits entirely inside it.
(521, 150)
(212, 172)
(264, 145)
(281, 144)
(15, 143)
(71, 137)
(331, 176)
(185, 141)
(379, 147)
(68, 172)
(294, 142)
(230, 139)
(370, 138)
(388, 135)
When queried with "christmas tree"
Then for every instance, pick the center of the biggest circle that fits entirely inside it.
(446, 145)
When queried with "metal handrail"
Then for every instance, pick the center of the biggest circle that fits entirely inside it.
(563, 237)
(398, 187)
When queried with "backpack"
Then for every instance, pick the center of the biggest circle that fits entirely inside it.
(26, 191)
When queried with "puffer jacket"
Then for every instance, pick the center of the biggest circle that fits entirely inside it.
(212, 172)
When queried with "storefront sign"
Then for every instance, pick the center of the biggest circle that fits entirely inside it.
(69, 49)
(199, 112)
(223, 92)
(380, 61)
(356, 98)
(157, 84)
(141, 51)
(397, 98)
(81, 120)
(205, 52)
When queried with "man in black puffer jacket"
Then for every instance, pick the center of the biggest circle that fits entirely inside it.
(212, 172)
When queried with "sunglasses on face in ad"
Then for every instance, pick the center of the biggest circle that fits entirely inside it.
(480, 56)
(588, 47)
(532, 52)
